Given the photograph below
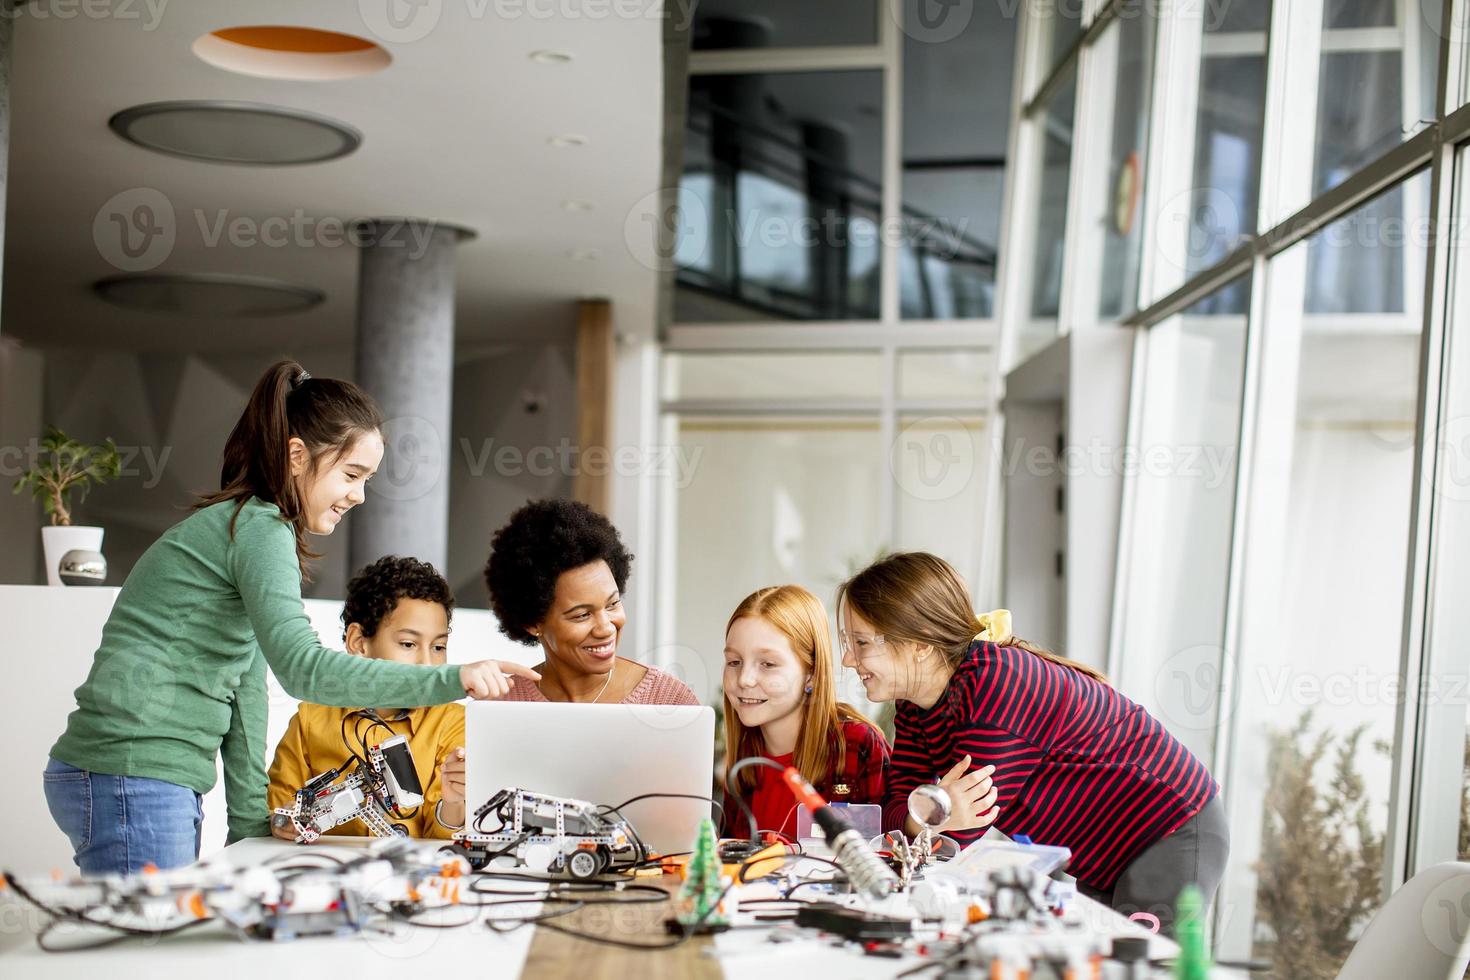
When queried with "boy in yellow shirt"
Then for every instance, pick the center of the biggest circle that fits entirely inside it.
(397, 609)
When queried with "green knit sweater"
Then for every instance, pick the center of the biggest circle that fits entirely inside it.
(180, 674)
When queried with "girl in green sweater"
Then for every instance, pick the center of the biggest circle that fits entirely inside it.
(180, 675)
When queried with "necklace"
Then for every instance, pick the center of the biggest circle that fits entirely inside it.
(605, 683)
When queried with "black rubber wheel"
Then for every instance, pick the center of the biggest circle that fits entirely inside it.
(583, 864)
(400, 830)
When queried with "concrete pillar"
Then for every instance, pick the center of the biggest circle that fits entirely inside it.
(405, 360)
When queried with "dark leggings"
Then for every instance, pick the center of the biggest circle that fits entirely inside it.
(1192, 855)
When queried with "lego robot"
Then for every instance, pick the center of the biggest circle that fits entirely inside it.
(549, 833)
(372, 793)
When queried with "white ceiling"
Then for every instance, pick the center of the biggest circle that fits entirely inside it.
(455, 129)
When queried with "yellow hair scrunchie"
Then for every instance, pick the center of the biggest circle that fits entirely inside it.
(995, 626)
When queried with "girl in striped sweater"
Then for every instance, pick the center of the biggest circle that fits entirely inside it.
(1030, 742)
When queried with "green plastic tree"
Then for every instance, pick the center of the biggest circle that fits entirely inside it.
(1189, 931)
(65, 465)
(699, 898)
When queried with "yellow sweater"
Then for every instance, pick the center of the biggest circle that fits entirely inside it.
(313, 744)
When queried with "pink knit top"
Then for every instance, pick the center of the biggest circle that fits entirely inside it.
(657, 687)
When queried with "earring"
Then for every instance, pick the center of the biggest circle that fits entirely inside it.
(808, 689)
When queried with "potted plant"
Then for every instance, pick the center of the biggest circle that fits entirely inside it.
(62, 466)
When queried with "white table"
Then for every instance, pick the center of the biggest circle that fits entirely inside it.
(212, 952)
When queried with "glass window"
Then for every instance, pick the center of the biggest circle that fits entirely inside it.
(787, 173)
(1183, 478)
(1131, 43)
(1054, 122)
(1060, 28)
(770, 500)
(1227, 156)
(726, 24)
(1377, 83)
(1318, 704)
(842, 375)
(1238, 17)
(956, 116)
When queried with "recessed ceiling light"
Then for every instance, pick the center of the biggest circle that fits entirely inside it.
(207, 295)
(295, 53)
(551, 57)
(235, 132)
(572, 204)
(568, 139)
(583, 254)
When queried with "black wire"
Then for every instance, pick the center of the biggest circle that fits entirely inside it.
(62, 913)
(668, 796)
(749, 814)
(785, 859)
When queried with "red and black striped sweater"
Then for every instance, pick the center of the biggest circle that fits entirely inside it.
(1077, 764)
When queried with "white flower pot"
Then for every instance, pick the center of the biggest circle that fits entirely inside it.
(56, 541)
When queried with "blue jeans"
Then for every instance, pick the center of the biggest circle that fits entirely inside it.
(117, 824)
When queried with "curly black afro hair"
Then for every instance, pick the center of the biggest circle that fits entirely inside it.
(539, 542)
(374, 592)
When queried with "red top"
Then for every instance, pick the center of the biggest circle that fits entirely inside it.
(1077, 764)
(864, 771)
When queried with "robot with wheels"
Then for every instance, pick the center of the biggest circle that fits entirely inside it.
(386, 785)
(550, 833)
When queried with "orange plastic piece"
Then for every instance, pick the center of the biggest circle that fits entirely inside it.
(806, 795)
(975, 914)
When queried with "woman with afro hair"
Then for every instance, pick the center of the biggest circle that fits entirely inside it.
(556, 576)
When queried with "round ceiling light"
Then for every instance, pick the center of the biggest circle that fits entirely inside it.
(235, 132)
(551, 57)
(300, 54)
(207, 295)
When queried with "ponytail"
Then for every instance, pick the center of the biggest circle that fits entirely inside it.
(919, 597)
(287, 402)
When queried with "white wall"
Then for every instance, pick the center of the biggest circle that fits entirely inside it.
(51, 634)
(170, 414)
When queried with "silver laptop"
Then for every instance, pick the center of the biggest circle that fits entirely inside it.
(601, 753)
